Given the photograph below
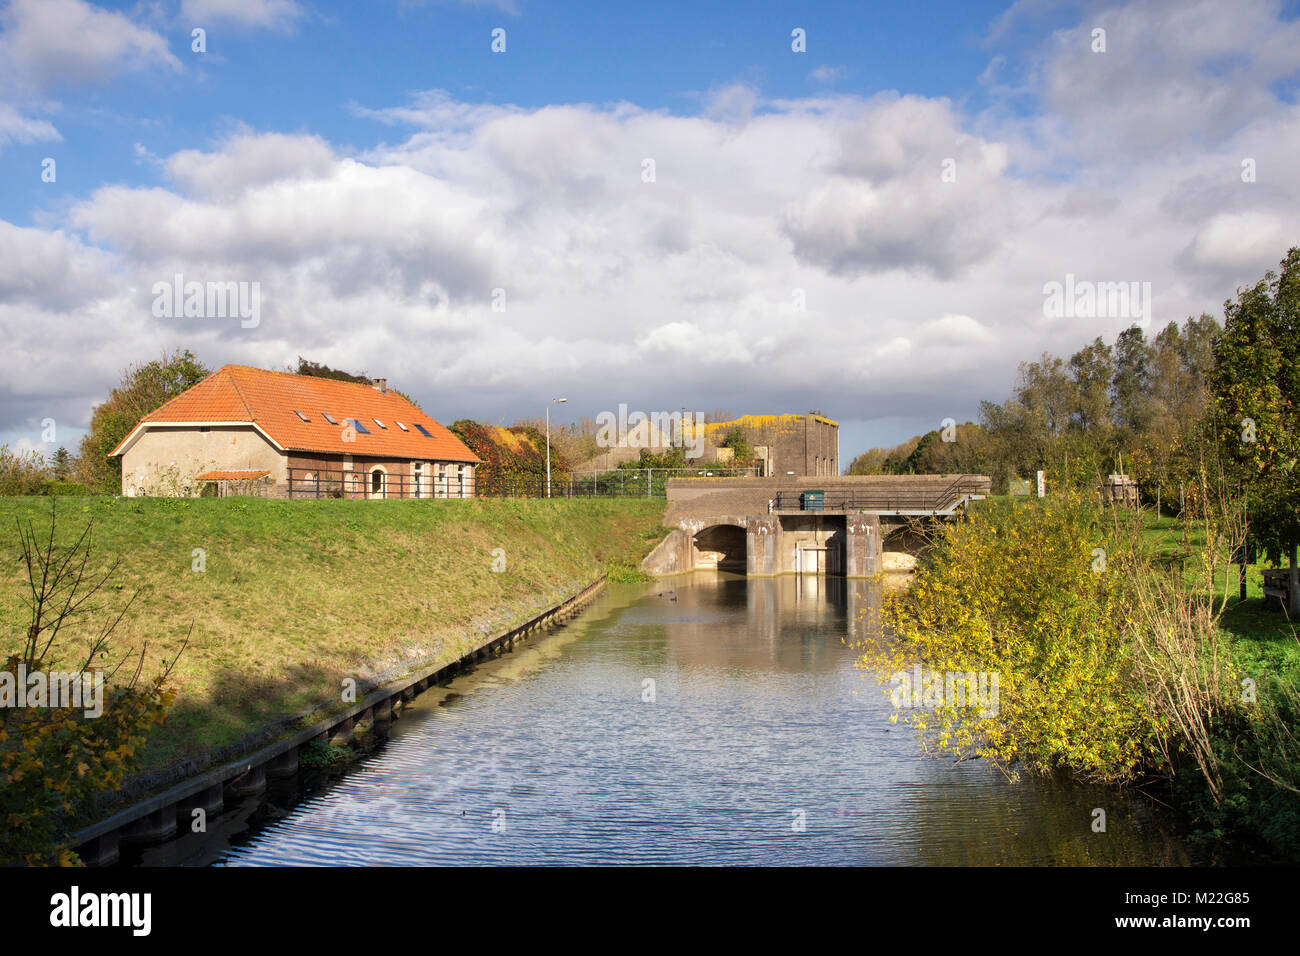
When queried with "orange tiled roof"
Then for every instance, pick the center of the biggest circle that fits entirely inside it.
(271, 400)
(231, 475)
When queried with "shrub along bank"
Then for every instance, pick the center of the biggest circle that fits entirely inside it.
(1118, 660)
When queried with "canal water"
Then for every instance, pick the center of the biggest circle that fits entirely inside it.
(711, 720)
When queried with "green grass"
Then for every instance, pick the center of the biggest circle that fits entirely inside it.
(299, 595)
(1260, 636)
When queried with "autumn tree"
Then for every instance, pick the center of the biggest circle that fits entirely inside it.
(142, 389)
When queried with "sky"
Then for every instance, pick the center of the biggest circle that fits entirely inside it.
(749, 207)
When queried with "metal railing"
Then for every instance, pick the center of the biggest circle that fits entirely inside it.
(376, 483)
(369, 482)
(887, 499)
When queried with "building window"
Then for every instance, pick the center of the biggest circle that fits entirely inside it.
(460, 481)
(417, 475)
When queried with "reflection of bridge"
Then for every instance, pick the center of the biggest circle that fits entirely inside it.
(766, 526)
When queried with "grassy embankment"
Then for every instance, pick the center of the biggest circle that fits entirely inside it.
(299, 595)
(1258, 635)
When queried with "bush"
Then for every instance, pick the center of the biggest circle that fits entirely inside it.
(65, 488)
(23, 473)
(1017, 590)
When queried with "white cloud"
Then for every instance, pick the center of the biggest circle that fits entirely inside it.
(1173, 72)
(16, 128)
(246, 161)
(266, 14)
(991, 71)
(56, 43)
(1241, 242)
(827, 74)
(919, 296)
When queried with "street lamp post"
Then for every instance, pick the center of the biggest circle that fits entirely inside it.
(548, 443)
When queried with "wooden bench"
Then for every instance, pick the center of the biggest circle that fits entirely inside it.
(1275, 583)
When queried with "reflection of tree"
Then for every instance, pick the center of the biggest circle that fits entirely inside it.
(971, 816)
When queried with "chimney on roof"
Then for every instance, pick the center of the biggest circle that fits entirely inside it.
(381, 384)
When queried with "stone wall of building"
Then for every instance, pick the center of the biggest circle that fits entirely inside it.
(164, 461)
(790, 445)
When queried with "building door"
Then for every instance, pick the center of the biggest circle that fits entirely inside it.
(377, 483)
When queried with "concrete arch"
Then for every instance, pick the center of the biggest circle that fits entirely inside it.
(723, 546)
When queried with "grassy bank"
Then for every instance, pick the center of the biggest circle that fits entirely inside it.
(296, 596)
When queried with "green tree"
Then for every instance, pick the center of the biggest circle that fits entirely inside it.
(1131, 384)
(320, 370)
(143, 389)
(741, 450)
(63, 464)
(1257, 408)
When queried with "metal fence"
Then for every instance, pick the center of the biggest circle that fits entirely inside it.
(378, 483)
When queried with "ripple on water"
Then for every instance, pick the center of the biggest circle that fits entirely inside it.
(763, 745)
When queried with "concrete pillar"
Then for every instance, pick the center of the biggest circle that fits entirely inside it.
(342, 734)
(762, 545)
(101, 851)
(210, 801)
(253, 781)
(862, 546)
(285, 765)
(155, 827)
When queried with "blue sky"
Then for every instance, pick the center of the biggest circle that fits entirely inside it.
(379, 172)
(662, 56)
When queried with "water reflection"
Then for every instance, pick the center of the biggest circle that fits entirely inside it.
(710, 720)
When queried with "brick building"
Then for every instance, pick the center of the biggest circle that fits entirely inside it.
(246, 430)
(785, 445)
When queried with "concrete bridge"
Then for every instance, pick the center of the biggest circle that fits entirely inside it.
(768, 526)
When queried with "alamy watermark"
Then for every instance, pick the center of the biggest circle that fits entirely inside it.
(1084, 299)
(641, 430)
(208, 300)
(931, 689)
(55, 689)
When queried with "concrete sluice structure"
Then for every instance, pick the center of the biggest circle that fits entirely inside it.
(769, 526)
